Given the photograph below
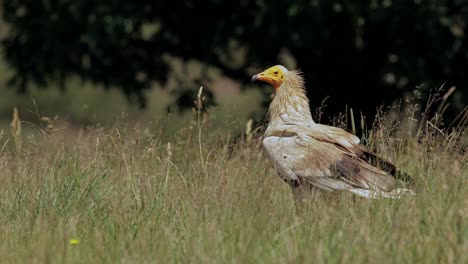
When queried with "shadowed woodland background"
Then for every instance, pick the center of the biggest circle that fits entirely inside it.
(357, 55)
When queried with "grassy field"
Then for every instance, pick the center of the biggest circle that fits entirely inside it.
(142, 192)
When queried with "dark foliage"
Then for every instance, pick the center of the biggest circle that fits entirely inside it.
(361, 54)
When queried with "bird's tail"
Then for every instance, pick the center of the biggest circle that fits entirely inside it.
(394, 194)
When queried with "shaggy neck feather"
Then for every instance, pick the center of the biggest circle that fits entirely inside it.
(290, 105)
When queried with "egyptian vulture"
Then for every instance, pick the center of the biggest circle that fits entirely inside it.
(314, 158)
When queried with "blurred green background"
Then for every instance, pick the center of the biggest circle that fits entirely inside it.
(89, 61)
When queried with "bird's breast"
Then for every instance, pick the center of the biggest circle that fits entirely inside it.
(280, 151)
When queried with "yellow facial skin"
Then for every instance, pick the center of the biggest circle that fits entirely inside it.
(273, 76)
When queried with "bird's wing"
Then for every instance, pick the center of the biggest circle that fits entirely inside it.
(345, 141)
(351, 144)
(325, 157)
(320, 132)
(333, 135)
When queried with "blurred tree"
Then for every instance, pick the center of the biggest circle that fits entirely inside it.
(361, 54)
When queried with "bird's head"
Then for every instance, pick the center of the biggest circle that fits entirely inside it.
(274, 75)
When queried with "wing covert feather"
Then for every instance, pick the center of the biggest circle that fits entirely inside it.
(316, 156)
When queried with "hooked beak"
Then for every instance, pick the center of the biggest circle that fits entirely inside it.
(258, 77)
(254, 78)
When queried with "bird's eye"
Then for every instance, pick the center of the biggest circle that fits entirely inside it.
(276, 72)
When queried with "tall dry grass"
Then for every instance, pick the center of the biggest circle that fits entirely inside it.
(139, 193)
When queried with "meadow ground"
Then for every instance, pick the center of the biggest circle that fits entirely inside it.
(142, 192)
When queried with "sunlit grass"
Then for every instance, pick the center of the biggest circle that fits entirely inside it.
(141, 192)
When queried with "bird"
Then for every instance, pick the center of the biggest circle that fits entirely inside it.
(317, 160)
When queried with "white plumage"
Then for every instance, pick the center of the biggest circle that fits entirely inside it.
(317, 158)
